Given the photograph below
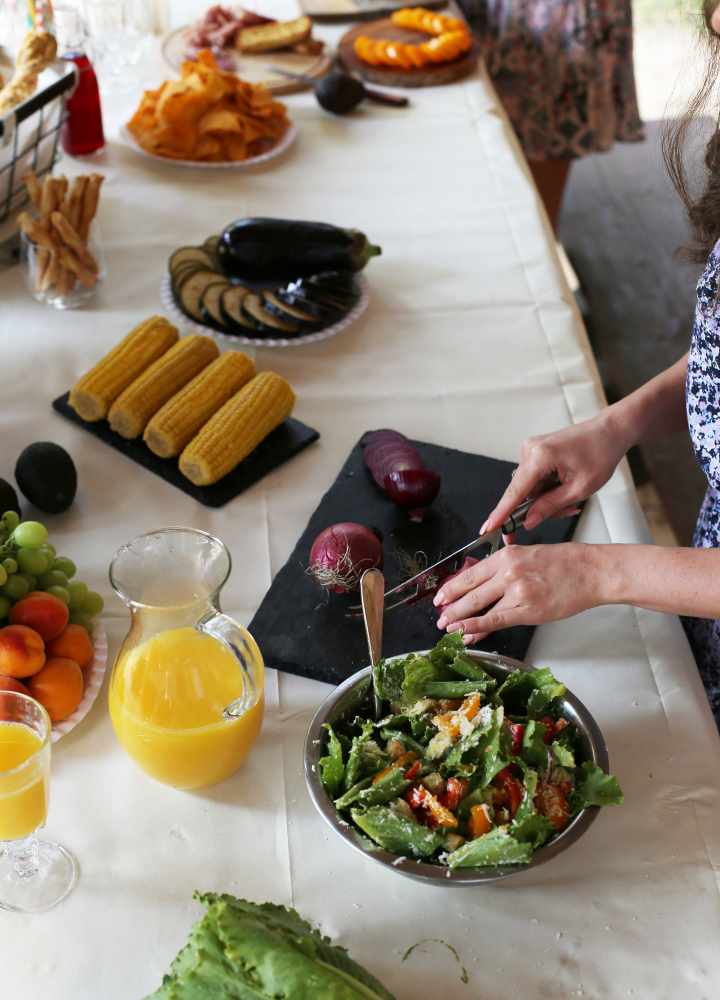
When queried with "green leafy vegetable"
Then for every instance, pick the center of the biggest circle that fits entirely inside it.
(595, 788)
(447, 649)
(390, 786)
(331, 766)
(494, 848)
(519, 687)
(352, 768)
(531, 829)
(389, 675)
(562, 755)
(419, 672)
(396, 833)
(348, 797)
(452, 689)
(258, 951)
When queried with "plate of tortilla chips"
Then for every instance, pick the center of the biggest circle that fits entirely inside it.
(209, 118)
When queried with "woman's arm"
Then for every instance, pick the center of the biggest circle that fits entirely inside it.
(529, 585)
(584, 456)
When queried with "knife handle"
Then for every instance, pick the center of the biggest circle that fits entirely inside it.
(380, 97)
(517, 518)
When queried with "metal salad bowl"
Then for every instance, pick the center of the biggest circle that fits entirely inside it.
(354, 697)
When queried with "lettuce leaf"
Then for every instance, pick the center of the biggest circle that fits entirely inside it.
(517, 690)
(390, 786)
(331, 766)
(531, 828)
(494, 848)
(419, 672)
(352, 768)
(396, 833)
(249, 951)
(595, 788)
(389, 676)
(447, 649)
(453, 689)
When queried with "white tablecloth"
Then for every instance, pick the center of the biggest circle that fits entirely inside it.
(471, 340)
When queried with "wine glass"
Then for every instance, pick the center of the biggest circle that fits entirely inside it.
(34, 875)
(119, 32)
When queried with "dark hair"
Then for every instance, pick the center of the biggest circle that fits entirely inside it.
(699, 195)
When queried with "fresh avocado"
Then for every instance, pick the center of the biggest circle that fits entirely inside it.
(46, 475)
(8, 498)
(339, 92)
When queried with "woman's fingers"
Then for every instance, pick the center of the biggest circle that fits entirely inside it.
(505, 614)
(566, 512)
(473, 603)
(474, 576)
(551, 504)
(524, 480)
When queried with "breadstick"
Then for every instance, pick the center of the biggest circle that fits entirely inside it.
(71, 262)
(65, 283)
(47, 202)
(61, 186)
(33, 186)
(90, 203)
(77, 191)
(51, 273)
(42, 258)
(34, 231)
(71, 238)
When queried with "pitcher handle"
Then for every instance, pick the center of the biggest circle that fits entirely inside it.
(249, 659)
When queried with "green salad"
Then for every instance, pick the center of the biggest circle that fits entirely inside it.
(464, 771)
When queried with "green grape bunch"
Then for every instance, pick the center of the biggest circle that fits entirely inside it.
(29, 562)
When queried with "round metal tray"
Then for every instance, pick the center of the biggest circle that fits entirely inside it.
(353, 697)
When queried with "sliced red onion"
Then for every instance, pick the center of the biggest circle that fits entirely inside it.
(413, 488)
(341, 553)
(387, 451)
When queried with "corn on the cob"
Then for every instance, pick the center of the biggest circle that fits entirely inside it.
(179, 420)
(237, 428)
(143, 398)
(96, 391)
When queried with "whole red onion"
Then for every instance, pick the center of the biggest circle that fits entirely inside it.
(341, 553)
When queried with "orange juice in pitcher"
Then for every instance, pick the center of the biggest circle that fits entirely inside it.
(186, 693)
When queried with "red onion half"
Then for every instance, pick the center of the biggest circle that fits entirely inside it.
(414, 488)
(341, 553)
(396, 467)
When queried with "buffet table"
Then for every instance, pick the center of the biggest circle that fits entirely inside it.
(471, 340)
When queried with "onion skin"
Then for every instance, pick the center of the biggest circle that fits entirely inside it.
(341, 553)
(413, 488)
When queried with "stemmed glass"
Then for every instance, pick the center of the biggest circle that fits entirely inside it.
(34, 875)
(119, 31)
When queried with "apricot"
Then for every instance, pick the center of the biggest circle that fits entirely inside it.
(58, 687)
(22, 651)
(10, 684)
(73, 643)
(43, 612)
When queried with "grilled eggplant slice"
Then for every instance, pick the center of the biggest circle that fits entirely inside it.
(231, 311)
(322, 311)
(201, 255)
(210, 306)
(292, 314)
(193, 289)
(265, 323)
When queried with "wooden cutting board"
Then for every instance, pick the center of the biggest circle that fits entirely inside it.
(428, 76)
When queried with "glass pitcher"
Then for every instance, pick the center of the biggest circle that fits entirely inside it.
(186, 692)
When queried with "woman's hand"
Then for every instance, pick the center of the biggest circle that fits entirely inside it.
(582, 457)
(522, 585)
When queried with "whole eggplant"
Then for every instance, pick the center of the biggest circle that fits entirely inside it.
(284, 249)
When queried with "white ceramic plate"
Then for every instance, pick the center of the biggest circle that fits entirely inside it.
(280, 146)
(168, 300)
(92, 679)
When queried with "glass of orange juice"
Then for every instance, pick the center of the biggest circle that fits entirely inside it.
(33, 874)
(186, 692)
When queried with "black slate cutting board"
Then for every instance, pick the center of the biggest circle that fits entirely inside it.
(303, 630)
(282, 444)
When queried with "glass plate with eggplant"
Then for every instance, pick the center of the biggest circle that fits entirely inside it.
(271, 281)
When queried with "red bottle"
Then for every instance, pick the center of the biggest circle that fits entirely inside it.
(82, 132)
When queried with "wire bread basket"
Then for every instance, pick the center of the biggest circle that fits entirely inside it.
(29, 136)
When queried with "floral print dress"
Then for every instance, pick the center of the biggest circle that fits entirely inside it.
(563, 70)
(703, 410)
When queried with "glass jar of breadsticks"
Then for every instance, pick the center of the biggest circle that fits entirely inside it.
(61, 252)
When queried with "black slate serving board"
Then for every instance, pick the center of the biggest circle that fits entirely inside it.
(286, 441)
(302, 630)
